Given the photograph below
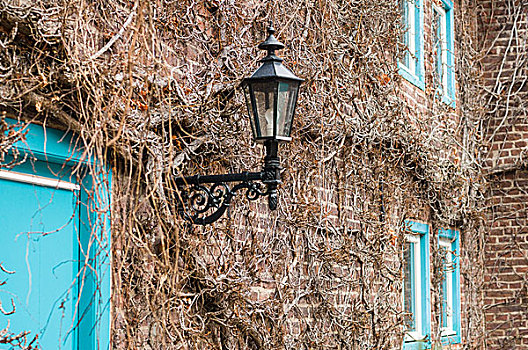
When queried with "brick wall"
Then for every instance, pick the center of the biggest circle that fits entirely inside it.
(423, 104)
(505, 32)
(329, 260)
(506, 296)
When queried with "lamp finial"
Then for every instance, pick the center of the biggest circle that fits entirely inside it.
(271, 44)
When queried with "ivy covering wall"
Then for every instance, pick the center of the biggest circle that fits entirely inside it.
(152, 88)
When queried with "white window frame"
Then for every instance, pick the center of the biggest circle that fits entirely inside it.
(411, 33)
(417, 335)
(412, 20)
(443, 43)
(449, 276)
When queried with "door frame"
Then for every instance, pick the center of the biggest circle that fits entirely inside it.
(93, 311)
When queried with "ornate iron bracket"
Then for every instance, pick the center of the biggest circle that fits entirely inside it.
(204, 199)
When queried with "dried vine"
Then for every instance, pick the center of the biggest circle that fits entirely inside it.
(152, 88)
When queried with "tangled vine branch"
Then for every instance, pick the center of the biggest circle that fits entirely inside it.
(152, 88)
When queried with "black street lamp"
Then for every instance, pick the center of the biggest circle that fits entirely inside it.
(271, 96)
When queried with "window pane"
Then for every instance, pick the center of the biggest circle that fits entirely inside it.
(447, 286)
(437, 47)
(410, 39)
(444, 289)
(405, 39)
(440, 48)
(408, 286)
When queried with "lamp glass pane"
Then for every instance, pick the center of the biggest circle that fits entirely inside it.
(287, 98)
(250, 110)
(264, 93)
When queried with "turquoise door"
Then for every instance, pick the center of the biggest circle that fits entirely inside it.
(40, 255)
(55, 259)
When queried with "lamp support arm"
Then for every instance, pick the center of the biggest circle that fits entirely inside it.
(210, 179)
(203, 205)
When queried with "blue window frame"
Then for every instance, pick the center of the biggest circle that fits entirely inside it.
(60, 222)
(450, 289)
(411, 66)
(416, 286)
(443, 51)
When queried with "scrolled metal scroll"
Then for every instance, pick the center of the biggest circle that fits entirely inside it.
(202, 198)
(204, 205)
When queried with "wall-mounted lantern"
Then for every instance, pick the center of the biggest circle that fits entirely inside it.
(271, 96)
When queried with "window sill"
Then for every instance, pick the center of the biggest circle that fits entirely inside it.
(414, 337)
(416, 344)
(410, 77)
(451, 339)
(446, 332)
(446, 99)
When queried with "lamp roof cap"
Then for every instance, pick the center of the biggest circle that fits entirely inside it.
(271, 44)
